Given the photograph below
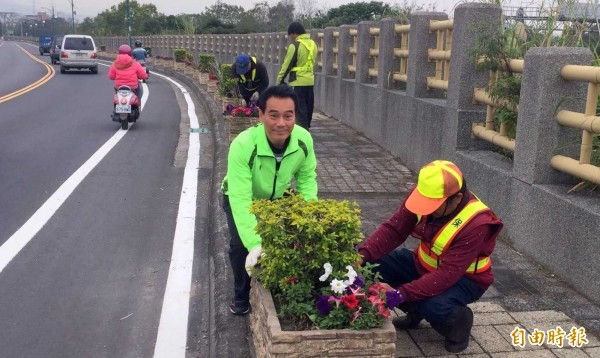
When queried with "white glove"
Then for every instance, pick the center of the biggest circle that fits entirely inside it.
(252, 259)
(254, 96)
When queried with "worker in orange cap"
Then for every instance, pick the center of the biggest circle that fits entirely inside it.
(451, 266)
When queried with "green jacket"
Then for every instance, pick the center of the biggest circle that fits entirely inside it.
(302, 68)
(253, 173)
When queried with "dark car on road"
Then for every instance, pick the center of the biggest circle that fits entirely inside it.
(55, 49)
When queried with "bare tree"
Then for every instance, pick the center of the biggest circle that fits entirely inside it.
(305, 9)
(6, 17)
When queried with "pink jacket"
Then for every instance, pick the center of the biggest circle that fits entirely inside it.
(126, 71)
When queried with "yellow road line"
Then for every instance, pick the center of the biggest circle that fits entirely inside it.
(49, 74)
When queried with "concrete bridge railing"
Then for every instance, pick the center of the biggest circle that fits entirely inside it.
(410, 87)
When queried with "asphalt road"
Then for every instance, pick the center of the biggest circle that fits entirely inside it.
(91, 281)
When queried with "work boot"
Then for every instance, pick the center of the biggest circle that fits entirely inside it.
(456, 329)
(410, 321)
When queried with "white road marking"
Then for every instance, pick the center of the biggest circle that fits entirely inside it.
(11, 248)
(172, 330)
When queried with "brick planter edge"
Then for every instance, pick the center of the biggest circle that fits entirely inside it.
(270, 341)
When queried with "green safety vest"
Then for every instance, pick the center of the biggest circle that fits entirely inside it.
(243, 78)
(309, 65)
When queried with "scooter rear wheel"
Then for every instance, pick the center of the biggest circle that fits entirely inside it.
(124, 124)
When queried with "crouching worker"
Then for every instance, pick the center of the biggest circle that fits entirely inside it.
(262, 162)
(450, 267)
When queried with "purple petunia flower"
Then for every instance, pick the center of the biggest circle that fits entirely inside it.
(323, 305)
(358, 282)
(393, 298)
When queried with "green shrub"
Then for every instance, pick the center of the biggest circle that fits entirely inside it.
(182, 55)
(308, 255)
(227, 86)
(300, 236)
(206, 63)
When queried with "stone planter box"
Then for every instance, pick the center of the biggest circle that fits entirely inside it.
(238, 124)
(270, 341)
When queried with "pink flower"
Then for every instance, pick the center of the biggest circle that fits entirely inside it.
(356, 314)
(376, 288)
(383, 311)
(336, 300)
(375, 300)
(356, 292)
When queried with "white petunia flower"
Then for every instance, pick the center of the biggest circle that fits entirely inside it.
(328, 269)
(351, 275)
(338, 286)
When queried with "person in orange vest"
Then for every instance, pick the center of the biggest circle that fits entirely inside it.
(450, 267)
(252, 77)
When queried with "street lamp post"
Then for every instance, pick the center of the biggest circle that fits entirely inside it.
(128, 21)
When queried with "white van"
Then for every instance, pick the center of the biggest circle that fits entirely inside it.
(78, 51)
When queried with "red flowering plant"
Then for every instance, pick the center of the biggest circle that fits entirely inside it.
(308, 247)
(241, 111)
(356, 302)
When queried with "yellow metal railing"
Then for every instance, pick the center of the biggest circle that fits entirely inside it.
(336, 49)
(321, 37)
(402, 53)
(353, 50)
(374, 51)
(480, 95)
(441, 54)
(588, 122)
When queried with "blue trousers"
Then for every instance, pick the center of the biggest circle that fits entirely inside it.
(398, 267)
(237, 257)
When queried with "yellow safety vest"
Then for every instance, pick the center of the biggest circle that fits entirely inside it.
(243, 78)
(310, 62)
(431, 256)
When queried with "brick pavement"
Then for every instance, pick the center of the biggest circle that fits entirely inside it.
(524, 296)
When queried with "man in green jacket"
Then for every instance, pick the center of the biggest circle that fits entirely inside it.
(299, 63)
(262, 162)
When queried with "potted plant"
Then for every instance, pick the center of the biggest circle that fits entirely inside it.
(308, 298)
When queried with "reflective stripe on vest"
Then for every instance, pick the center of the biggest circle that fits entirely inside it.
(310, 63)
(243, 78)
(430, 257)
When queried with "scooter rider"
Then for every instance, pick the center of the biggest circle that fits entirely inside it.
(139, 53)
(126, 71)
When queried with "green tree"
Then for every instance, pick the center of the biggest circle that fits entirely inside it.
(88, 26)
(281, 15)
(228, 14)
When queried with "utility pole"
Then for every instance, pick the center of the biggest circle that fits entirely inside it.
(72, 2)
(128, 21)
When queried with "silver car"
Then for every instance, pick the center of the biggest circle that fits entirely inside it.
(78, 51)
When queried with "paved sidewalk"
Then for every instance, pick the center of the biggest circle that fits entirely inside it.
(524, 296)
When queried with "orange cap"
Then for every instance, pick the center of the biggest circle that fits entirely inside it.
(437, 181)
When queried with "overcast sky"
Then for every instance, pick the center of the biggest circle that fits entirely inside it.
(85, 8)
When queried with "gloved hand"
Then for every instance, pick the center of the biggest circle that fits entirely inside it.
(252, 259)
(254, 96)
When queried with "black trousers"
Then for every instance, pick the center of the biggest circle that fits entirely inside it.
(237, 257)
(306, 104)
(246, 94)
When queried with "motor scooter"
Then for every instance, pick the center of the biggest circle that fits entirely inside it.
(143, 63)
(126, 106)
